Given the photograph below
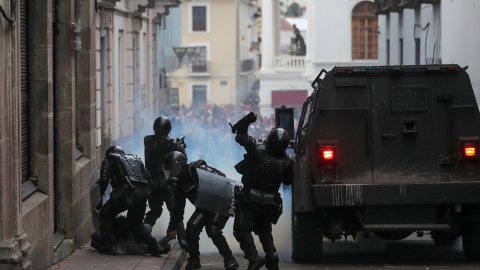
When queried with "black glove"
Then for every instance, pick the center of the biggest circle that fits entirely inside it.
(181, 141)
(241, 127)
(173, 181)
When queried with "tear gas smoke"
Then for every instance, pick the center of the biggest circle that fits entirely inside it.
(217, 146)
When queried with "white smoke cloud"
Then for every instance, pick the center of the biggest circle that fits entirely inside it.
(218, 148)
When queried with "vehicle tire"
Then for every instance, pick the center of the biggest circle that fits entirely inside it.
(307, 237)
(443, 238)
(387, 235)
(471, 233)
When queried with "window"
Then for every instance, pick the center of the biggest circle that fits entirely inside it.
(199, 95)
(199, 18)
(200, 62)
(364, 32)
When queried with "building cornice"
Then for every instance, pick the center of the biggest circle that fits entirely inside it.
(136, 8)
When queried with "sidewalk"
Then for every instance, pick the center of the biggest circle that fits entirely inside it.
(87, 257)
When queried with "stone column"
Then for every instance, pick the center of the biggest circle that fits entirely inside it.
(394, 39)
(85, 79)
(14, 246)
(408, 22)
(65, 114)
(268, 35)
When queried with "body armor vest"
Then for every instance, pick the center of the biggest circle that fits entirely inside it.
(156, 148)
(130, 166)
(268, 171)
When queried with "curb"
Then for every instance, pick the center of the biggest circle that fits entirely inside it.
(175, 259)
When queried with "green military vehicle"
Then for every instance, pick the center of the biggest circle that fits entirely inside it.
(389, 151)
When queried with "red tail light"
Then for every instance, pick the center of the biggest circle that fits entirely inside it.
(469, 150)
(328, 154)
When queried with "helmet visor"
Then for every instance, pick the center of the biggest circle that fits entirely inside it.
(173, 169)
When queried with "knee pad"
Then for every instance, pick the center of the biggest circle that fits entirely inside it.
(271, 260)
(193, 229)
(212, 230)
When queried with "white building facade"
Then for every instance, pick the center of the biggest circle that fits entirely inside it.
(342, 32)
(434, 32)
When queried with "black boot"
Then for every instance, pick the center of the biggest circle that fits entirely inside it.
(193, 263)
(256, 263)
(107, 233)
(230, 263)
(271, 260)
(154, 247)
(183, 244)
(96, 241)
(165, 245)
(221, 243)
(156, 250)
(108, 250)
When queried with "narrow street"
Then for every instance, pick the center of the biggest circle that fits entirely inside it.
(373, 253)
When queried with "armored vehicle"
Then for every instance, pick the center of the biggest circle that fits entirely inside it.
(388, 151)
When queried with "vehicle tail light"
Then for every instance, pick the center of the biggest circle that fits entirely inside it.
(467, 148)
(326, 153)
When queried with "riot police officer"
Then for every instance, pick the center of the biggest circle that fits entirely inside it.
(156, 147)
(184, 178)
(259, 205)
(130, 183)
(127, 243)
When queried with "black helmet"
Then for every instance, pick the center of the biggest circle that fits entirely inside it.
(114, 149)
(173, 164)
(277, 141)
(162, 125)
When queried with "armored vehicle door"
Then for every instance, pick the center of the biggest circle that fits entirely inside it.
(340, 130)
(409, 128)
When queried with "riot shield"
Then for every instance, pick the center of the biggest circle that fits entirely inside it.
(216, 193)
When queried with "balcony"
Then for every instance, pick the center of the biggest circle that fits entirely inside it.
(199, 68)
(289, 62)
(247, 65)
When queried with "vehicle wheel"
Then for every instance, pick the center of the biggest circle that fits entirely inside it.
(443, 238)
(471, 233)
(387, 235)
(307, 237)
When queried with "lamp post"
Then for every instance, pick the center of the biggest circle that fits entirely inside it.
(182, 51)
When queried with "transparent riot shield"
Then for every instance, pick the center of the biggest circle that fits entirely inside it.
(216, 193)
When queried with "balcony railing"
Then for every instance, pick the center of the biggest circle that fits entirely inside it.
(247, 65)
(199, 68)
(295, 62)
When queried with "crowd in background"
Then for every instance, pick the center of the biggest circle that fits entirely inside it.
(215, 118)
(208, 135)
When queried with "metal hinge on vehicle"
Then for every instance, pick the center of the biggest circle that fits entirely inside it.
(446, 161)
(446, 97)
